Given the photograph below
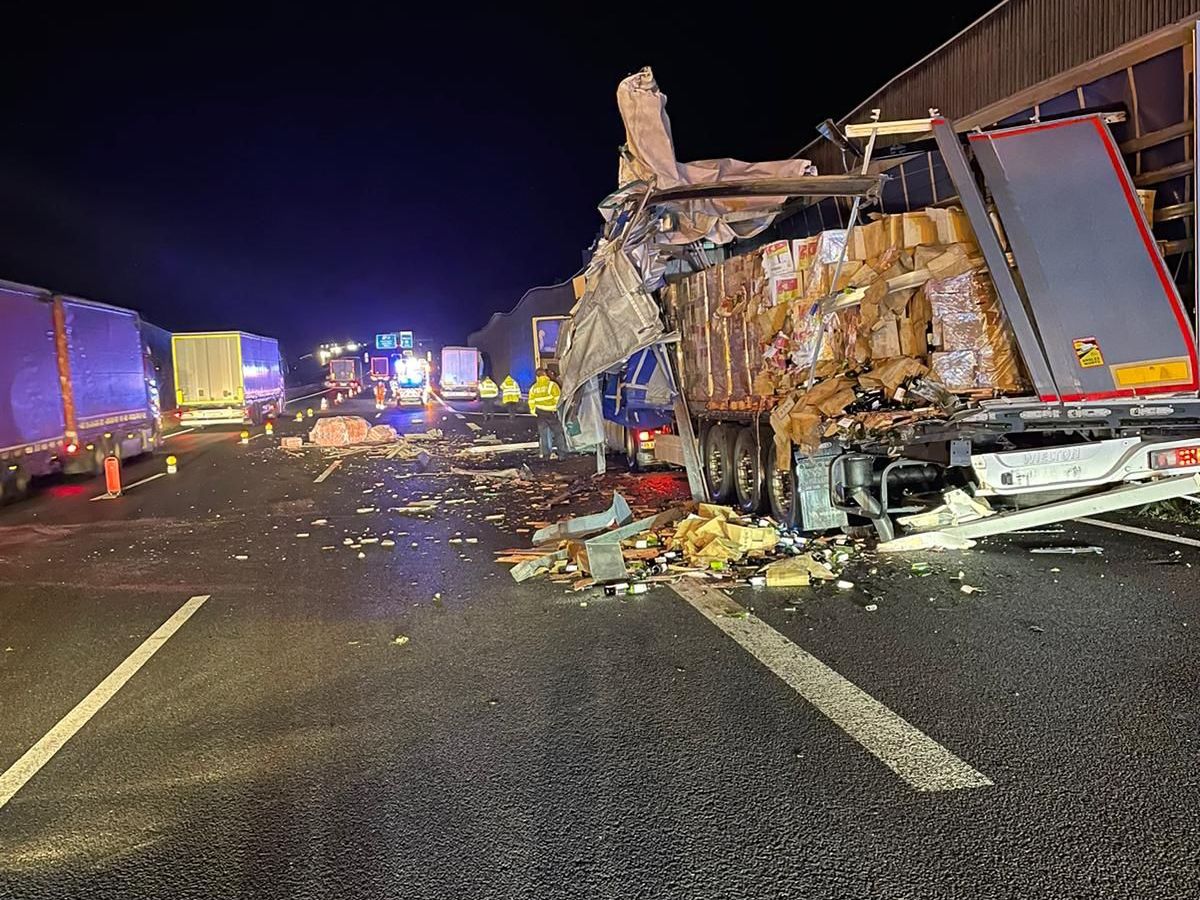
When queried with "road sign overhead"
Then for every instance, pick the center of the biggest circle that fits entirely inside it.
(406, 340)
(385, 341)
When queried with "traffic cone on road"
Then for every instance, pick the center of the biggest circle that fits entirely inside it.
(324, 403)
(171, 465)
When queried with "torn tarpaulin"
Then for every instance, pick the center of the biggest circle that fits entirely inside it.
(606, 561)
(615, 318)
(617, 514)
(649, 157)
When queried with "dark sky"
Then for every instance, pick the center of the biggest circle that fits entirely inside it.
(359, 169)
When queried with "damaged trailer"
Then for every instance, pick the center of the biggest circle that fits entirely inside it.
(1027, 346)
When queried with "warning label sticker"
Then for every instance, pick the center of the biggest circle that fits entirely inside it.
(1087, 351)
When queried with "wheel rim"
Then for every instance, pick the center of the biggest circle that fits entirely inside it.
(743, 473)
(716, 465)
(781, 488)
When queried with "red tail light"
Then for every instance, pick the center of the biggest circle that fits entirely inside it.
(644, 435)
(72, 448)
(1178, 458)
(666, 429)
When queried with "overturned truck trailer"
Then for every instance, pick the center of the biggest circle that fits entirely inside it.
(1022, 341)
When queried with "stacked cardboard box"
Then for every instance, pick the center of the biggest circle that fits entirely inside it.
(913, 298)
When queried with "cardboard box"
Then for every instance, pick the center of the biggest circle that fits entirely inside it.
(776, 258)
(952, 225)
(885, 338)
(804, 252)
(956, 369)
(918, 229)
(830, 244)
(913, 341)
(894, 227)
(868, 240)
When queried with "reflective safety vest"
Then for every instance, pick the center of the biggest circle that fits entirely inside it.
(543, 396)
(488, 389)
(510, 391)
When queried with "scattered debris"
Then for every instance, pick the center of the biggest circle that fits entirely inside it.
(1066, 550)
(400, 640)
(502, 448)
(926, 540)
(958, 507)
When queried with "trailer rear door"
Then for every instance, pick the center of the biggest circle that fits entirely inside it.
(1102, 300)
(208, 369)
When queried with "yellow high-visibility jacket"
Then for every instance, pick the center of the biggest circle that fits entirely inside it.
(488, 389)
(544, 395)
(510, 391)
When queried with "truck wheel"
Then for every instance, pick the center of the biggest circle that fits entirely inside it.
(718, 462)
(14, 485)
(747, 471)
(781, 491)
(631, 453)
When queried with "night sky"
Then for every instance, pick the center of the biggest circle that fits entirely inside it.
(315, 177)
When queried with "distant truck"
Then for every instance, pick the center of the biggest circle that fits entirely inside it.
(226, 377)
(345, 372)
(381, 368)
(460, 373)
(73, 387)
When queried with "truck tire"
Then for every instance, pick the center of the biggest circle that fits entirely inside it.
(631, 453)
(781, 492)
(14, 485)
(717, 453)
(748, 465)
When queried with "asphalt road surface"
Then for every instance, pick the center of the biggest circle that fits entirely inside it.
(207, 693)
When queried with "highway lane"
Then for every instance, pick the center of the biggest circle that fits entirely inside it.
(282, 743)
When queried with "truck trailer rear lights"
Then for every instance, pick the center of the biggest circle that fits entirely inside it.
(72, 448)
(1175, 458)
(645, 435)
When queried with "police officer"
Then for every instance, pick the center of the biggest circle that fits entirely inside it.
(510, 395)
(543, 403)
(489, 397)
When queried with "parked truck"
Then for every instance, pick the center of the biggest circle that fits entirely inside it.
(856, 377)
(345, 373)
(226, 377)
(460, 373)
(73, 386)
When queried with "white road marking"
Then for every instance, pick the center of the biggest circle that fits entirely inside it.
(175, 434)
(305, 397)
(459, 415)
(333, 465)
(129, 487)
(43, 751)
(253, 436)
(1144, 532)
(921, 761)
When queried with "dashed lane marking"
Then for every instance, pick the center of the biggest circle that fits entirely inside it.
(305, 397)
(328, 471)
(918, 759)
(175, 434)
(130, 487)
(43, 751)
(1144, 532)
